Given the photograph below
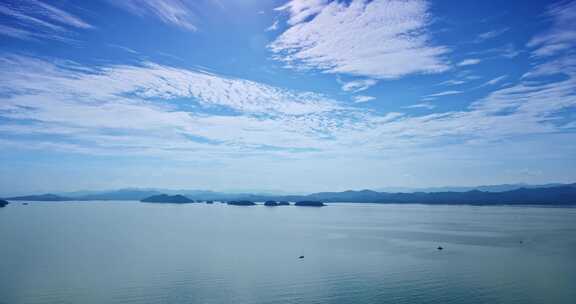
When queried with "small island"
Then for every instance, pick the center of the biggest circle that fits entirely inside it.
(3, 203)
(164, 198)
(270, 203)
(241, 203)
(309, 204)
(283, 203)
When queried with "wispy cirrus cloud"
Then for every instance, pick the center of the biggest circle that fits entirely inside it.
(36, 20)
(379, 39)
(507, 51)
(57, 15)
(452, 82)
(423, 105)
(495, 80)
(16, 32)
(561, 36)
(175, 12)
(490, 34)
(445, 93)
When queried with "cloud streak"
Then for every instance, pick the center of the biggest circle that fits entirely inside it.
(36, 20)
(363, 98)
(561, 36)
(423, 105)
(174, 12)
(445, 93)
(491, 34)
(467, 62)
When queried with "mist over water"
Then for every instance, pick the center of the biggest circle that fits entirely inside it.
(128, 252)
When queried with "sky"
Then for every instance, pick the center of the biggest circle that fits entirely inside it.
(291, 95)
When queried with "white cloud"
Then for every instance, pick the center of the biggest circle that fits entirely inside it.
(377, 39)
(303, 9)
(561, 36)
(175, 12)
(155, 81)
(467, 62)
(363, 98)
(154, 103)
(356, 86)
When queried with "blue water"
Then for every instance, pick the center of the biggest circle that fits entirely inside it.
(129, 252)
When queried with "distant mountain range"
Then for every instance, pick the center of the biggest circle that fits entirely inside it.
(41, 198)
(486, 188)
(563, 194)
(136, 194)
(559, 195)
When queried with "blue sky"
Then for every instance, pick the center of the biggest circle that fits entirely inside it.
(297, 96)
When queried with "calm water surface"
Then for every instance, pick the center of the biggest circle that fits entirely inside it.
(128, 252)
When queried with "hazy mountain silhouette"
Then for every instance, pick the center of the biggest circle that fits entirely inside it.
(120, 195)
(41, 198)
(485, 188)
(561, 195)
(136, 194)
(551, 195)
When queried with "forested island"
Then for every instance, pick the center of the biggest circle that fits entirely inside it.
(3, 203)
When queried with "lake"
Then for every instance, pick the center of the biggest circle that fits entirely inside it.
(129, 252)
